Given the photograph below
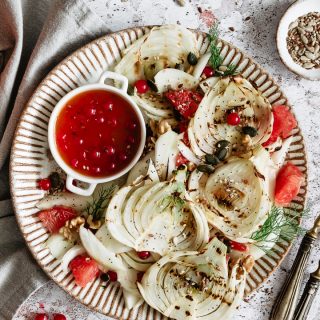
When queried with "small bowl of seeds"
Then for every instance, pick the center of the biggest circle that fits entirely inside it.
(298, 39)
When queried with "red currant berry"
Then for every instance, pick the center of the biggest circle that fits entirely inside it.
(112, 122)
(141, 86)
(112, 166)
(86, 167)
(95, 154)
(109, 150)
(108, 105)
(101, 119)
(208, 72)
(132, 125)
(131, 139)
(143, 254)
(41, 316)
(80, 141)
(233, 119)
(59, 316)
(74, 163)
(123, 157)
(97, 170)
(44, 184)
(91, 111)
(112, 276)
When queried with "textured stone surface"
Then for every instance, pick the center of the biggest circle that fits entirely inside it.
(251, 26)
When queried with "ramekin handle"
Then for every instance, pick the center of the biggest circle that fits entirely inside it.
(75, 189)
(122, 80)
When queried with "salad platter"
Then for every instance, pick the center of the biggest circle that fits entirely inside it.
(159, 172)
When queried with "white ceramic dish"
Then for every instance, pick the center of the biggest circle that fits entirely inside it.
(71, 173)
(298, 9)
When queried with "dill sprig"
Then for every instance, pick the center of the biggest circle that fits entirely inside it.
(215, 58)
(282, 223)
(100, 202)
(231, 70)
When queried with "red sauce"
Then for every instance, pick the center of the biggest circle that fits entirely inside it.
(98, 133)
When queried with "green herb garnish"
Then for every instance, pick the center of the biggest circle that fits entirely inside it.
(282, 223)
(215, 58)
(231, 70)
(100, 202)
(172, 201)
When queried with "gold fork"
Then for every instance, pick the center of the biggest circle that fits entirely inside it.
(287, 299)
(308, 295)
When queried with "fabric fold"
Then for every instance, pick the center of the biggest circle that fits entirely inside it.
(35, 35)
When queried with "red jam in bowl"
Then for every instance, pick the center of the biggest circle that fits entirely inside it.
(98, 133)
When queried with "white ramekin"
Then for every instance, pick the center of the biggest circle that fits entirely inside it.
(71, 173)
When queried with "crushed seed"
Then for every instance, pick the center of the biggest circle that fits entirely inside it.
(181, 3)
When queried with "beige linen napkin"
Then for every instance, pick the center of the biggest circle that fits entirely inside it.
(34, 36)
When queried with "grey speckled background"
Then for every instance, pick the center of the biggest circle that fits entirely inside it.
(250, 25)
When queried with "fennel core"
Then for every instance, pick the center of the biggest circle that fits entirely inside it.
(173, 200)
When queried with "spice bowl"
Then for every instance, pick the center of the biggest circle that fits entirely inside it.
(289, 22)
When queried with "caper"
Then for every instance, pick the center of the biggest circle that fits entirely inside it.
(211, 159)
(182, 167)
(104, 277)
(130, 90)
(221, 153)
(222, 144)
(252, 132)
(192, 59)
(205, 168)
(176, 114)
(55, 180)
(152, 86)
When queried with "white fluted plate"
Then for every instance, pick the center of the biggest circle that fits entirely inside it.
(30, 161)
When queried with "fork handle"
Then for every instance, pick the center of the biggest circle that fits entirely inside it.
(287, 299)
(308, 296)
